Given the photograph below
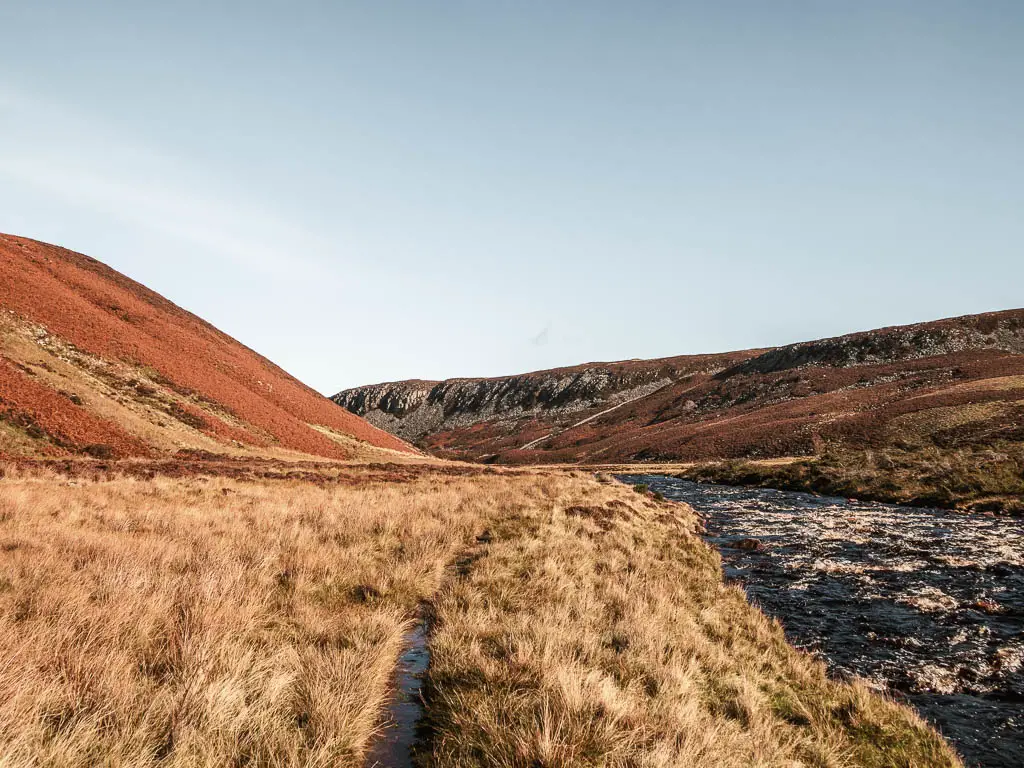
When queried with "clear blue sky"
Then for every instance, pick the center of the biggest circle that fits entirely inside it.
(366, 191)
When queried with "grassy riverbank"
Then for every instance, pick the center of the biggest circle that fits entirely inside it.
(212, 620)
(988, 478)
(593, 628)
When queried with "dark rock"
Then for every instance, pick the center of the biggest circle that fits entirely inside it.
(749, 545)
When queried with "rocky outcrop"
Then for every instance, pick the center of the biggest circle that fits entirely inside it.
(415, 408)
(995, 330)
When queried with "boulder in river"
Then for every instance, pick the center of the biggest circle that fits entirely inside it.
(987, 605)
(749, 545)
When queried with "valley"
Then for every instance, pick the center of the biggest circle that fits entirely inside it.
(511, 385)
(794, 459)
(204, 562)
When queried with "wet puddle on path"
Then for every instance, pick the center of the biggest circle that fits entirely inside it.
(393, 748)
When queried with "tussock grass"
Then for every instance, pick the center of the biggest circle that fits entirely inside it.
(206, 622)
(214, 622)
(593, 629)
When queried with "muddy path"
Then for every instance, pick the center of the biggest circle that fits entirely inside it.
(403, 724)
(393, 747)
(927, 604)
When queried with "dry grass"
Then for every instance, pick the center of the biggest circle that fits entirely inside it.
(214, 622)
(209, 622)
(981, 477)
(593, 629)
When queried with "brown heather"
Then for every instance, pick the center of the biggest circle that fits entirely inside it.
(208, 621)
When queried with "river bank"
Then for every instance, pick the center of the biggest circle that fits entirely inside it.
(926, 604)
(977, 478)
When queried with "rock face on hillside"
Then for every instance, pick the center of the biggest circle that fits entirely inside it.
(996, 331)
(950, 380)
(414, 409)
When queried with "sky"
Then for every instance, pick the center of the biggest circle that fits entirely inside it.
(372, 191)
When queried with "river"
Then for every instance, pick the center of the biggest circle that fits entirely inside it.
(926, 604)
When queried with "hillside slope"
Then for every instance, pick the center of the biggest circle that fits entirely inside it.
(92, 362)
(952, 382)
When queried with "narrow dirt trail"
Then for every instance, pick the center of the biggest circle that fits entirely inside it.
(395, 744)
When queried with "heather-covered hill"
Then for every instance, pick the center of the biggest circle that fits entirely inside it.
(92, 362)
(947, 383)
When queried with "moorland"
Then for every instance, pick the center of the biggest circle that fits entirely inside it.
(204, 562)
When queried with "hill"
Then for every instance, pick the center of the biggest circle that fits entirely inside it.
(948, 383)
(94, 363)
